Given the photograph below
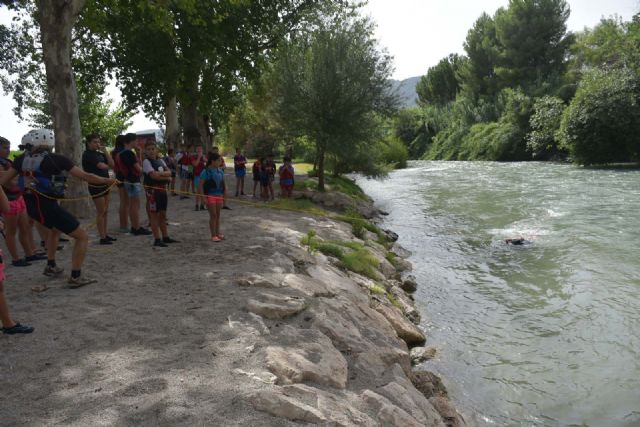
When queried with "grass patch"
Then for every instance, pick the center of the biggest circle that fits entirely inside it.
(392, 258)
(393, 300)
(346, 186)
(357, 258)
(295, 205)
(306, 184)
(331, 249)
(361, 262)
(377, 289)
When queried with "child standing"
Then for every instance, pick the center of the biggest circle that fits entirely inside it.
(271, 169)
(199, 163)
(213, 188)
(156, 177)
(171, 162)
(9, 326)
(255, 170)
(286, 174)
(240, 168)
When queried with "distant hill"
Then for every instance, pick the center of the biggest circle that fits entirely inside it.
(406, 90)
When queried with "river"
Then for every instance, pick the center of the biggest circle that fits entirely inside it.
(546, 334)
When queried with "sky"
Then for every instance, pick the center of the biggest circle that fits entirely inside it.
(417, 33)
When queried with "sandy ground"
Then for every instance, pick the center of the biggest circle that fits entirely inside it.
(157, 340)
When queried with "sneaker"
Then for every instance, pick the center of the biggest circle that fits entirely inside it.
(169, 240)
(216, 239)
(80, 281)
(106, 241)
(113, 239)
(221, 236)
(141, 232)
(20, 263)
(36, 257)
(226, 207)
(160, 244)
(18, 329)
(52, 271)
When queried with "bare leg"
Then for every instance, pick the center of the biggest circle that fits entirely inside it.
(134, 209)
(217, 219)
(162, 223)
(25, 235)
(100, 216)
(212, 218)
(53, 237)
(155, 229)
(124, 208)
(11, 230)
(5, 318)
(106, 213)
(80, 246)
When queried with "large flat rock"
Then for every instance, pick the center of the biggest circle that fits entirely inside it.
(307, 356)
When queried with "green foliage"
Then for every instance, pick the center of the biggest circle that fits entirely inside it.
(544, 138)
(498, 141)
(394, 152)
(361, 262)
(532, 36)
(377, 289)
(327, 85)
(393, 300)
(602, 123)
(477, 75)
(331, 249)
(347, 186)
(440, 85)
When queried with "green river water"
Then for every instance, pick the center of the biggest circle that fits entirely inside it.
(544, 334)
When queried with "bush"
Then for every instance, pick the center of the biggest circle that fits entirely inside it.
(446, 144)
(394, 153)
(602, 124)
(361, 262)
(500, 141)
(544, 138)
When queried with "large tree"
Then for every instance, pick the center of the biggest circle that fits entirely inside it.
(533, 40)
(329, 84)
(441, 84)
(197, 53)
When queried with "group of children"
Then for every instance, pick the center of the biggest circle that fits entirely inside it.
(264, 172)
(136, 171)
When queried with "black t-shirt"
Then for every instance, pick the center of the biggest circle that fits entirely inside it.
(90, 160)
(128, 159)
(52, 164)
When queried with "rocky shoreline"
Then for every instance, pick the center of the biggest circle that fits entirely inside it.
(300, 317)
(340, 345)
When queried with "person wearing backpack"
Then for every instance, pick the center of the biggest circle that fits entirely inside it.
(42, 179)
(213, 188)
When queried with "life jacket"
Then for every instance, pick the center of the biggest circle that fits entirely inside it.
(286, 175)
(11, 190)
(148, 181)
(33, 179)
(210, 185)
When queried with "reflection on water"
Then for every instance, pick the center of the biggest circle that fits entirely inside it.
(545, 334)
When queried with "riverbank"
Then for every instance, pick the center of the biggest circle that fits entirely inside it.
(270, 327)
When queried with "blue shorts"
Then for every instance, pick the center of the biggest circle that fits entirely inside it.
(240, 173)
(134, 189)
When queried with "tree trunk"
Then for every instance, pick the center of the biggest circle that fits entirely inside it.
(57, 19)
(172, 126)
(321, 168)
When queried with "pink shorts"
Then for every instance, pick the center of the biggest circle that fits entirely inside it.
(16, 207)
(215, 200)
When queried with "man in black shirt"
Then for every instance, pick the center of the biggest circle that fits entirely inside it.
(97, 160)
(132, 171)
(43, 185)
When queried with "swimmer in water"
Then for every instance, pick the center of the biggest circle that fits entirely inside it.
(517, 241)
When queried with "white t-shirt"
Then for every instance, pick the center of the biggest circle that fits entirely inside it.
(147, 167)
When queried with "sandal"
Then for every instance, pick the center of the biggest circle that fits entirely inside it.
(18, 329)
(216, 239)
